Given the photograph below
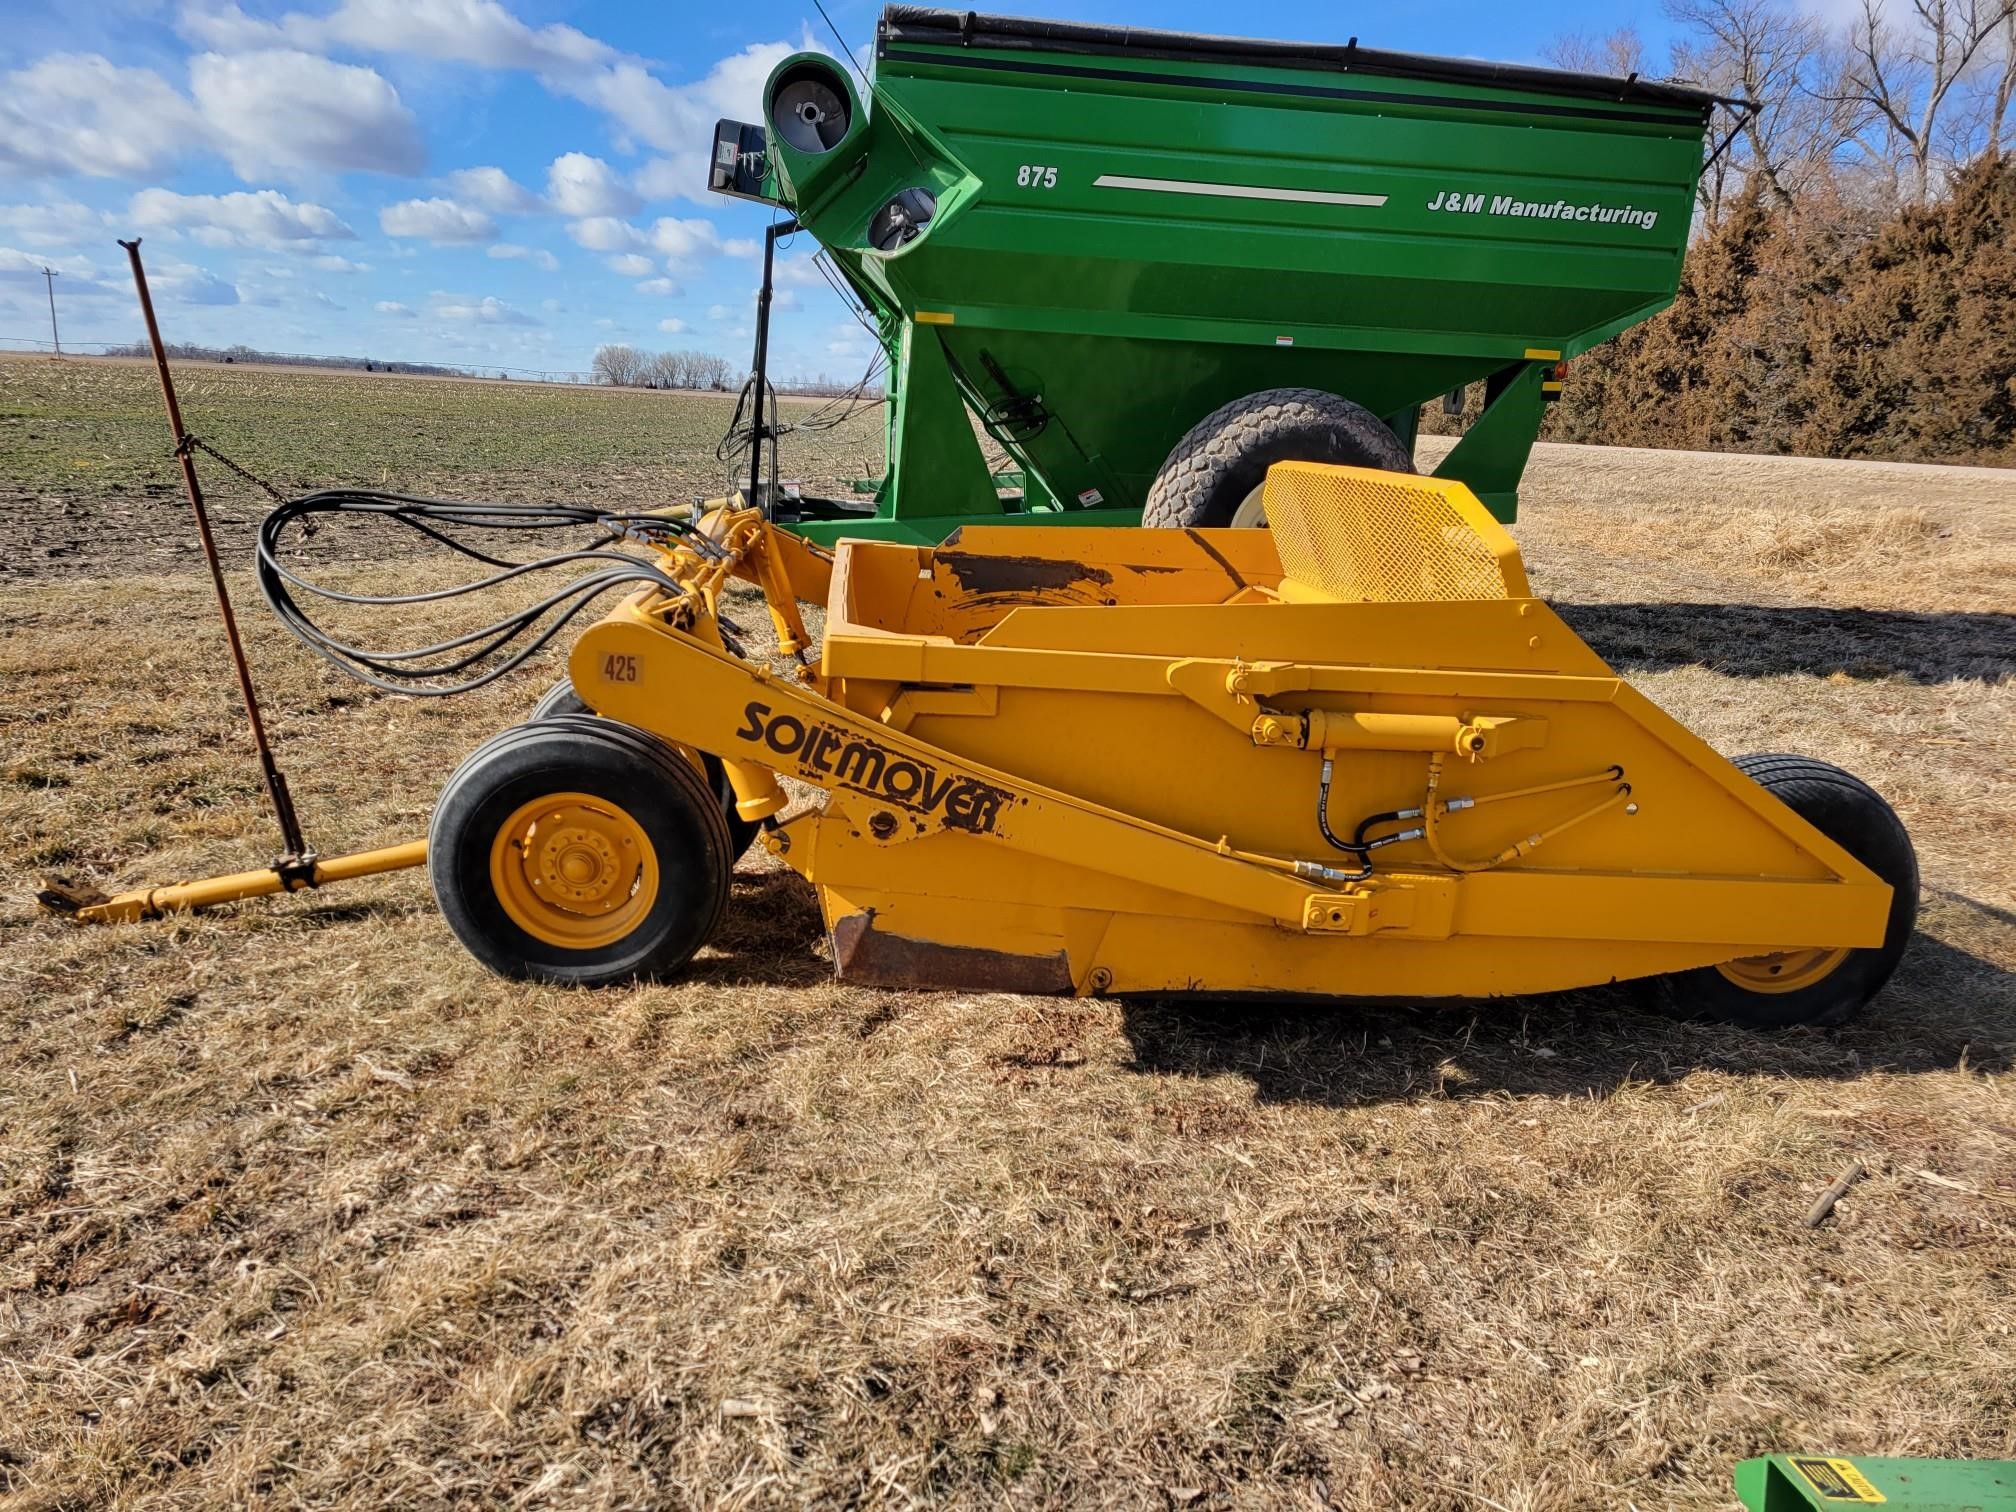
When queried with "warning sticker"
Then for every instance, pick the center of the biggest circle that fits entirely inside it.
(1837, 1480)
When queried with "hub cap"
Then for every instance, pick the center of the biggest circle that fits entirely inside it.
(1251, 513)
(574, 870)
(1785, 971)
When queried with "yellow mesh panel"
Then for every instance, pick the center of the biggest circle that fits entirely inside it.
(1360, 535)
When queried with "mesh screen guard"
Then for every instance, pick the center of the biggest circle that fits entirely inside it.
(1359, 535)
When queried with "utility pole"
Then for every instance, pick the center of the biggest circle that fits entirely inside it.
(49, 277)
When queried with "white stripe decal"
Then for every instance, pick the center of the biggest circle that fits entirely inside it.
(1236, 191)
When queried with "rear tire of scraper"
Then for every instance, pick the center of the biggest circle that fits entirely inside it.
(562, 699)
(579, 851)
(1812, 986)
(1214, 475)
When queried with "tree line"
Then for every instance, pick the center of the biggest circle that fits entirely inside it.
(627, 367)
(186, 351)
(1851, 286)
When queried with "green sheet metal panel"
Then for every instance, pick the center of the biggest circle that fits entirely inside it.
(1834, 1483)
(1135, 228)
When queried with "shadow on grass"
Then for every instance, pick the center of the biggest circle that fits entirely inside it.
(1943, 1004)
(768, 936)
(1755, 640)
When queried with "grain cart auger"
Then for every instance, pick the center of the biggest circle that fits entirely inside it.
(1348, 755)
(1150, 264)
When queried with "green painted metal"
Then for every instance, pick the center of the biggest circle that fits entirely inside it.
(1129, 234)
(1802, 1482)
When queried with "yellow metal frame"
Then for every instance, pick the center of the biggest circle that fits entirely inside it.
(1087, 761)
(1053, 759)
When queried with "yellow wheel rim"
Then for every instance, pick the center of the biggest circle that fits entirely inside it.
(1786, 971)
(574, 870)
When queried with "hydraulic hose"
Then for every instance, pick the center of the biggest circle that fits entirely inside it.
(480, 656)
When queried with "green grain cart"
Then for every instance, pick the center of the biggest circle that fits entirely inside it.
(1150, 264)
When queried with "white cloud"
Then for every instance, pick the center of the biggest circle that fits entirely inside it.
(630, 264)
(665, 178)
(189, 284)
(488, 310)
(78, 278)
(796, 273)
(264, 219)
(786, 300)
(580, 185)
(679, 121)
(539, 257)
(742, 246)
(684, 240)
(671, 325)
(605, 233)
(493, 189)
(720, 312)
(662, 288)
(287, 111)
(24, 267)
(481, 32)
(675, 120)
(59, 223)
(79, 113)
(329, 262)
(394, 308)
(439, 220)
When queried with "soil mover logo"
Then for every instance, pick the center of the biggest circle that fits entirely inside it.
(831, 751)
(1458, 203)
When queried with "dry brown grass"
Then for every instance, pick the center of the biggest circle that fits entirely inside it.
(299, 1207)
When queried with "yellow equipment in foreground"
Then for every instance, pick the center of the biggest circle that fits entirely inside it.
(1347, 755)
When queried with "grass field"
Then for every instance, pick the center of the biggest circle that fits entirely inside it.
(298, 1207)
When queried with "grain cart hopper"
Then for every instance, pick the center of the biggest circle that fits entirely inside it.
(1151, 263)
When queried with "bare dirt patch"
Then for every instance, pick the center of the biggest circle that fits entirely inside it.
(86, 461)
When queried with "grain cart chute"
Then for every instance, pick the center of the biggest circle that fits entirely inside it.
(1152, 263)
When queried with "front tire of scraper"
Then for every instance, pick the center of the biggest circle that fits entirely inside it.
(1222, 460)
(562, 699)
(579, 851)
(1816, 986)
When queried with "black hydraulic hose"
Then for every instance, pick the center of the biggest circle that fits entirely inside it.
(1389, 817)
(1358, 845)
(416, 670)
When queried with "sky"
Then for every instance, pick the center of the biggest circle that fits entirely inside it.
(505, 183)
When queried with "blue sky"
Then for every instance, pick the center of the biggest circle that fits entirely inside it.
(480, 182)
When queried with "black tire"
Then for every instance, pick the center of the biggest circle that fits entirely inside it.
(558, 699)
(639, 775)
(1225, 456)
(562, 699)
(1854, 816)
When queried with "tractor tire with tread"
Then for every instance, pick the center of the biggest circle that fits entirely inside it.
(562, 699)
(621, 789)
(1223, 459)
(1839, 984)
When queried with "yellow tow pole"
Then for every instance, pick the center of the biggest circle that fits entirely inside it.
(92, 907)
(297, 868)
